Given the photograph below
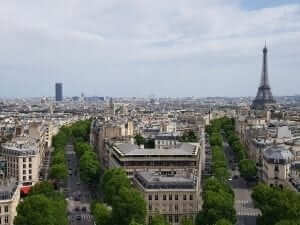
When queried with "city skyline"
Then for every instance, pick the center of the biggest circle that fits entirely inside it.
(131, 48)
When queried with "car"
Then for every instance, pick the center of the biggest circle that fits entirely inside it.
(83, 209)
(229, 179)
(235, 177)
(78, 183)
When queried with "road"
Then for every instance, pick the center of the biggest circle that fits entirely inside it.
(246, 213)
(78, 194)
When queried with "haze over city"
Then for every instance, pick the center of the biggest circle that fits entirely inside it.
(139, 48)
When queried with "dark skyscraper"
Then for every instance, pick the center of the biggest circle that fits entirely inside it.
(58, 91)
(264, 95)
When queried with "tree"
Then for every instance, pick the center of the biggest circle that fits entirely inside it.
(101, 214)
(112, 182)
(139, 140)
(223, 222)
(186, 221)
(248, 169)
(59, 172)
(89, 167)
(38, 209)
(276, 204)
(159, 220)
(189, 136)
(127, 206)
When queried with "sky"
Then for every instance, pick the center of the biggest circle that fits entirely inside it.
(172, 48)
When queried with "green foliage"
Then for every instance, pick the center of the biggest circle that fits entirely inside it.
(101, 214)
(277, 205)
(247, 169)
(112, 182)
(186, 221)
(223, 222)
(188, 136)
(218, 200)
(159, 220)
(59, 172)
(44, 206)
(139, 140)
(128, 205)
(89, 166)
(81, 129)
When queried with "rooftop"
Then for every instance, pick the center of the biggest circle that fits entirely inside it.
(151, 180)
(183, 149)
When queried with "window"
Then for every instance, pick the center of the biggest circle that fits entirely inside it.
(150, 207)
(24, 166)
(176, 218)
(30, 171)
(276, 168)
(6, 219)
(150, 219)
(0, 220)
(24, 159)
(170, 197)
(30, 159)
(170, 218)
(24, 171)
(30, 177)
(191, 197)
(176, 197)
(24, 177)
(156, 197)
(150, 197)
(176, 207)
(6, 208)
(184, 197)
(0, 209)
(30, 165)
(164, 197)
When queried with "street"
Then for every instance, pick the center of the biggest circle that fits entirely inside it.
(78, 194)
(246, 213)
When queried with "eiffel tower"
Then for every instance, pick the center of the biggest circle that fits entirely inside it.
(264, 95)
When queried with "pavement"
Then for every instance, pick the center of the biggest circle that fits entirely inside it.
(78, 194)
(244, 206)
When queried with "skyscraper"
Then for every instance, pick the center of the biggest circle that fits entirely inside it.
(264, 95)
(58, 91)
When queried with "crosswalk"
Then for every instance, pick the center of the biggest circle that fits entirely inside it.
(248, 212)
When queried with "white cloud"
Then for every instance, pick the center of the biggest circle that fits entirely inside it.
(121, 40)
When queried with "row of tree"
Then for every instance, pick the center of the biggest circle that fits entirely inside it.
(247, 166)
(43, 205)
(58, 168)
(89, 165)
(218, 197)
(278, 206)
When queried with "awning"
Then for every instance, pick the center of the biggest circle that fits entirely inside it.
(25, 190)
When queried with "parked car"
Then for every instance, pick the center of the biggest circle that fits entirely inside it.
(78, 217)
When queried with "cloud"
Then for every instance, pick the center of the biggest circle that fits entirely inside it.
(133, 47)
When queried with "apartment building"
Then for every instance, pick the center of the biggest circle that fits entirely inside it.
(174, 197)
(23, 158)
(9, 200)
(276, 165)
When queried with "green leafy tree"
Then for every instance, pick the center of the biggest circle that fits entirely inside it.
(128, 205)
(59, 172)
(189, 136)
(38, 209)
(89, 167)
(223, 222)
(159, 220)
(248, 169)
(139, 140)
(113, 180)
(101, 214)
(186, 221)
